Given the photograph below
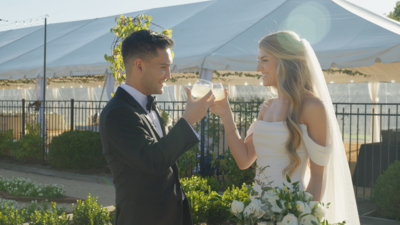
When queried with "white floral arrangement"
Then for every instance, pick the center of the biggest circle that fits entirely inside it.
(280, 206)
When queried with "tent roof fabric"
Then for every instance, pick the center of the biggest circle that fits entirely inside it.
(217, 35)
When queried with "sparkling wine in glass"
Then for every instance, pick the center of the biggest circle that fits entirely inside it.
(218, 91)
(201, 88)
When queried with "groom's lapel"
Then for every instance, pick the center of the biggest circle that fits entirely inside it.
(142, 112)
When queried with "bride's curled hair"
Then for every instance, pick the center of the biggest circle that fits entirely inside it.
(293, 79)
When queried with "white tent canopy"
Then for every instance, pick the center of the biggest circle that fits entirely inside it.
(217, 35)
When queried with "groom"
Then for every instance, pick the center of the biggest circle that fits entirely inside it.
(141, 155)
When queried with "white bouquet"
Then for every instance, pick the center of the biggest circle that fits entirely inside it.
(280, 206)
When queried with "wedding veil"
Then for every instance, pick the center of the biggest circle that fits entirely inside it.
(337, 187)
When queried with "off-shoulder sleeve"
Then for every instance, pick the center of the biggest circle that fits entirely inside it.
(251, 129)
(318, 154)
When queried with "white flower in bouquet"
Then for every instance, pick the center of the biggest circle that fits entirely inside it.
(237, 207)
(270, 196)
(300, 206)
(307, 220)
(275, 208)
(306, 210)
(289, 219)
(308, 196)
(319, 209)
(254, 207)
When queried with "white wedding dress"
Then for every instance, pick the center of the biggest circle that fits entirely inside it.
(269, 140)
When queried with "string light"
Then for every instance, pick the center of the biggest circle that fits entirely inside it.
(37, 21)
(245, 83)
(24, 23)
(16, 23)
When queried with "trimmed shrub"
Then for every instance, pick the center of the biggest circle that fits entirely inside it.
(77, 149)
(206, 205)
(6, 141)
(386, 194)
(49, 217)
(29, 146)
(11, 216)
(89, 212)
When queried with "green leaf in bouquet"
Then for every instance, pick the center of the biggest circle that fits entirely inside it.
(266, 188)
(269, 183)
(278, 202)
(314, 223)
(288, 179)
(304, 215)
(296, 183)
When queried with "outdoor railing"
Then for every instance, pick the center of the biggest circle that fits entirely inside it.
(367, 155)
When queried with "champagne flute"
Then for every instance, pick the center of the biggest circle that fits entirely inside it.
(201, 88)
(218, 91)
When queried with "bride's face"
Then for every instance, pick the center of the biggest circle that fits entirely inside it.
(267, 65)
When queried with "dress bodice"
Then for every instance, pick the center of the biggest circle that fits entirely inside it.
(269, 139)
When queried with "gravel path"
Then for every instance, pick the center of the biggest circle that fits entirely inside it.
(73, 188)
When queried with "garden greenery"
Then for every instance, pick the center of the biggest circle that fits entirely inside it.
(78, 149)
(25, 187)
(29, 147)
(386, 192)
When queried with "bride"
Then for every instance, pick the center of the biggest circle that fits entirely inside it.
(297, 132)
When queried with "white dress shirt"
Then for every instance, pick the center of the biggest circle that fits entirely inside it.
(142, 100)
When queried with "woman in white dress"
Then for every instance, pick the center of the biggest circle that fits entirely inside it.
(297, 132)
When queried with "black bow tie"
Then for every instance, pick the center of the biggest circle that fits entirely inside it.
(151, 103)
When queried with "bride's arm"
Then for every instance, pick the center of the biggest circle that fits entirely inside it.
(242, 151)
(315, 119)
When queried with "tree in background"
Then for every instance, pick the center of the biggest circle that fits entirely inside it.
(395, 14)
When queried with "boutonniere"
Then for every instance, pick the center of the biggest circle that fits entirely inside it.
(166, 118)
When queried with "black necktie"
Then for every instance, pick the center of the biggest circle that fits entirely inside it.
(151, 103)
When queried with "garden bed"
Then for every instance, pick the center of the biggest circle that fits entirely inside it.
(65, 199)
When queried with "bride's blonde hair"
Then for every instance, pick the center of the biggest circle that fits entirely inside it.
(293, 79)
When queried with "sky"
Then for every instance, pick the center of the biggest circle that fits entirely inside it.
(73, 10)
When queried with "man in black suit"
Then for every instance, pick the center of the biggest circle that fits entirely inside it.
(141, 155)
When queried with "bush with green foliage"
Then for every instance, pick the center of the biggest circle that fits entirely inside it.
(77, 149)
(187, 162)
(6, 141)
(386, 192)
(27, 210)
(11, 216)
(30, 145)
(233, 175)
(25, 187)
(49, 217)
(206, 205)
(89, 212)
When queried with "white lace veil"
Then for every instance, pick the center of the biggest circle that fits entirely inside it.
(337, 187)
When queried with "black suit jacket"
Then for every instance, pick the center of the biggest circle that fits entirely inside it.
(143, 165)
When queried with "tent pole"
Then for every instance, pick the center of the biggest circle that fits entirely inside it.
(44, 91)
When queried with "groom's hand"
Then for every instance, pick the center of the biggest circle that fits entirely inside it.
(197, 109)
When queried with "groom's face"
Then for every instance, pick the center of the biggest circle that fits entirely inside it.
(155, 71)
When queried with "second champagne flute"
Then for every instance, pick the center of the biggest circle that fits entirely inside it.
(201, 88)
(218, 91)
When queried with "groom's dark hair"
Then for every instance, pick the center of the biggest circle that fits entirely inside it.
(143, 44)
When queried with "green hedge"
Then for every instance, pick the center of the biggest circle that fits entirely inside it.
(386, 193)
(202, 206)
(77, 150)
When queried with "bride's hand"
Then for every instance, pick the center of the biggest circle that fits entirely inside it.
(221, 108)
